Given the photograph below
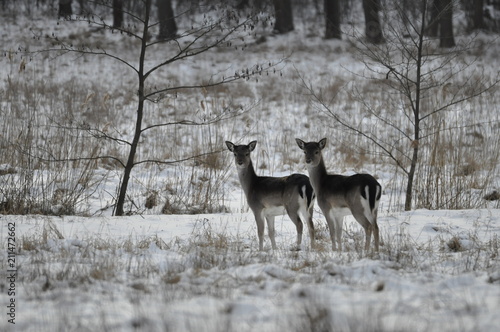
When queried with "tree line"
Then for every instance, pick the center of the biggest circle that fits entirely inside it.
(478, 14)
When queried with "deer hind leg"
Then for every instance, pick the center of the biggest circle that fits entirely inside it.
(376, 231)
(296, 219)
(368, 235)
(363, 220)
(310, 227)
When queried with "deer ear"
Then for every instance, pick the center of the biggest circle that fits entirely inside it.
(252, 145)
(322, 143)
(300, 143)
(230, 146)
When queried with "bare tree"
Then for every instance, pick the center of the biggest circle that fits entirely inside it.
(117, 13)
(446, 36)
(332, 19)
(65, 9)
(373, 28)
(441, 22)
(284, 16)
(475, 14)
(478, 14)
(226, 30)
(413, 77)
(168, 27)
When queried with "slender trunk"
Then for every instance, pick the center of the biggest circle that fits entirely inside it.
(416, 115)
(411, 173)
(119, 211)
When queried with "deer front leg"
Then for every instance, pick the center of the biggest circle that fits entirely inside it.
(331, 227)
(270, 228)
(339, 221)
(259, 220)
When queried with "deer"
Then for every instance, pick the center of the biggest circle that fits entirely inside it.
(269, 197)
(339, 195)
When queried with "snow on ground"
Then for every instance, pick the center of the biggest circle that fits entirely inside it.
(437, 270)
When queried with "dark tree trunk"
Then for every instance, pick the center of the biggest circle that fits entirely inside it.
(255, 4)
(416, 113)
(373, 29)
(83, 9)
(242, 4)
(284, 16)
(433, 26)
(441, 22)
(446, 37)
(478, 15)
(332, 19)
(120, 204)
(168, 27)
(117, 13)
(65, 9)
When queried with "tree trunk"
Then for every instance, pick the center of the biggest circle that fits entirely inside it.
(433, 26)
(284, 16)
(446, 37)
(332, 18)
(168, 28)
(65, 9)
(119, 210)
(373, 29)
(478, 15)
(117, 13)
(416, 114)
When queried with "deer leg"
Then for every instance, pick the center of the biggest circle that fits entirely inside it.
(310, 226)
(331, 227)
(376, 236)
(259, 220)
(339, 220)
(368, 235)
(307, 217)
(270, 228)
(298, 225)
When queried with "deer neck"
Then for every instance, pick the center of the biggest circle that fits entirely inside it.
(317, 174)
(247, 177)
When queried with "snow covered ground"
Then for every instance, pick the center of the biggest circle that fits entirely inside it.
(437, 271)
